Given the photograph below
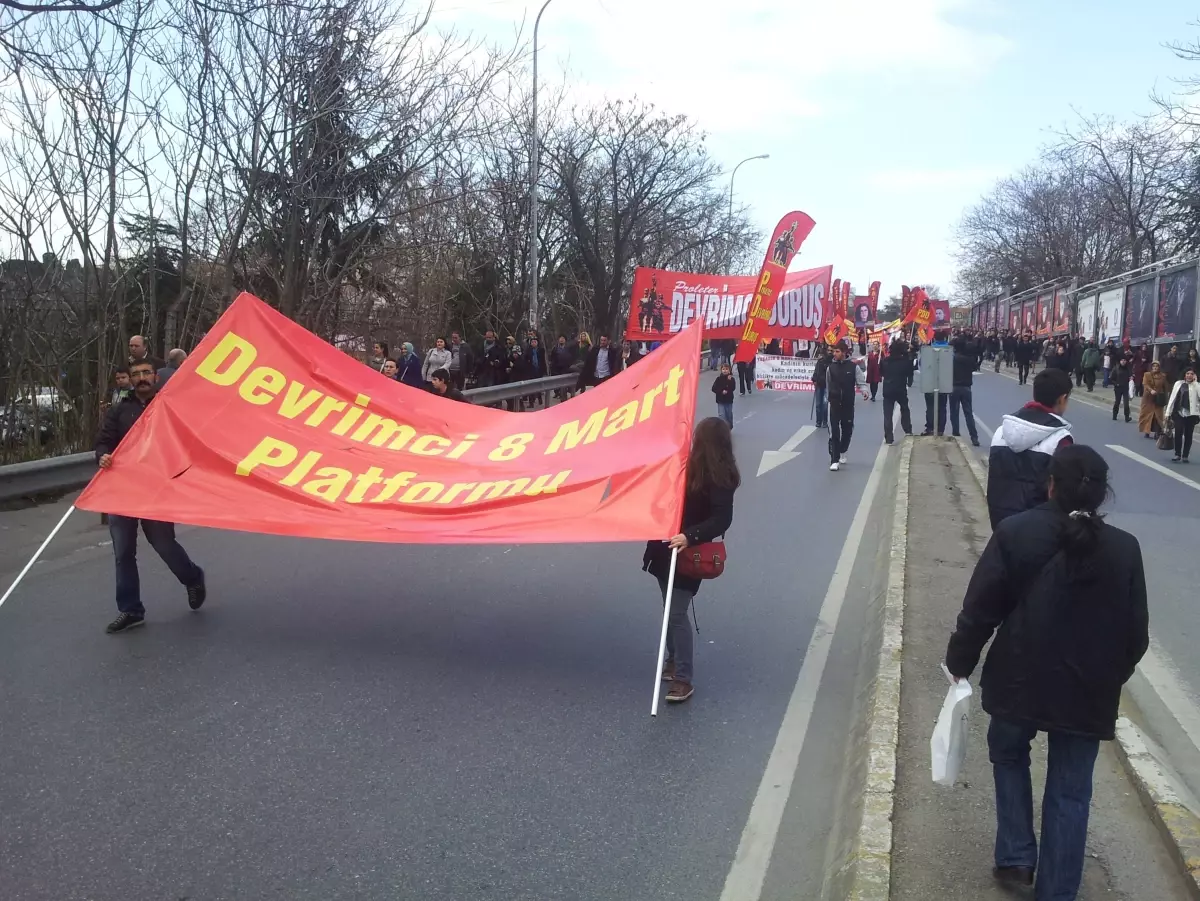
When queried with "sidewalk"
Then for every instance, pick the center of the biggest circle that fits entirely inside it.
(943, 837)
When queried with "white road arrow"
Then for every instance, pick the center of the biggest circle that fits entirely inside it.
(771, 459)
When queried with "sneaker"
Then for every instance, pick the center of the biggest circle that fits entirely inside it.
(124, 622)
(927, 433)
(843, 460)
(668, 673)
(1176, 459)
(197, 593)
(834, 467)
(679, 692)
(888, 441)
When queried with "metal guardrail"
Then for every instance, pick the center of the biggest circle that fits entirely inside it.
(71, 471)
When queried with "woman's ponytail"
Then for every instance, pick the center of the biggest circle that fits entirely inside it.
(1080, 483)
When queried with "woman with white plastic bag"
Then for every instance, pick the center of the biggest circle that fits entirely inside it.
(1066, 595)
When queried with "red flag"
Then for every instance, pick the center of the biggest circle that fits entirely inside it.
(835, 307)
(267, 428)
(906, 301)
(789, 234)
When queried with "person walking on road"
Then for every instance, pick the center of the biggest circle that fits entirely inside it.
(722, 387)
(841, 380)
(709, 485)
(1120, 377)
(874, 377)
(1091, 362)
(123, 529)
(1065, 594)
(1023, 446)
(1154, 399)
(1024, 352)
(820, 394)
(745, 371)
(897, 371)
(1184, 409)
(960, 396)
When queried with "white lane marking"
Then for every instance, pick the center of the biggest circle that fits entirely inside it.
(1157, 467)
(1156, 666)
(749, 870)
(773, 458)
(983, 425)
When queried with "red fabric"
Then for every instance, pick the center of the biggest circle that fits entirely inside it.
(237, 440)
(786, 239)
(873, 367)
(676, 299)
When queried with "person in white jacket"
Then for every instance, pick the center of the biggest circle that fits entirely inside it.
(437, 358)
(1184, 408)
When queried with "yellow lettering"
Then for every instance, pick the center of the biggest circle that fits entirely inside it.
(392, 485)
(673, 378)
(422, 493)
(297, 475)
(455, 490)
(261, 385)
(269, 452)
(648, 402)
(210, 366)
(463, 446)
(387, 429)
(493, 490)
(425, 446)
(570, 435)
(546, 485)
(293, 404)
(623, 418)
(324, 408)
(365, 480)
(351, 416)
(329, 484)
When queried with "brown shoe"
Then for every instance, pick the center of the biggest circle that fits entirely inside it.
(668, 673)
(679, 692)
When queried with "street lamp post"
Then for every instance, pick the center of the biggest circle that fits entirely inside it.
(533, 179)
(761, 156)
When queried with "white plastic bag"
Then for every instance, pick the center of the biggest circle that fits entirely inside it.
(1132, 392)
(948, 746)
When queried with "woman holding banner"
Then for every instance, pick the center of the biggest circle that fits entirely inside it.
(711, 479)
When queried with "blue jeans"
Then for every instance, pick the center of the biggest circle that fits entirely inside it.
(819, 403)
(725, 411)
(1065, 805)
(161, 536)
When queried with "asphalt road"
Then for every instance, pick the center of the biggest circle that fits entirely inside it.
(1159, 502)
(364, 721)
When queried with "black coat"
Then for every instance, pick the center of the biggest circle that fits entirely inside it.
(1026, 351)
(1070, 633)
(723, 387)
(963, 364)
(1120, 375)
(897, 370)
(588, 375)
(705, 517)
(119, 419)
(1019, 460)
(819, 370)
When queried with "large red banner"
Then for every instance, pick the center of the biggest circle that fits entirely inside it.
(789, 234)
(671, 301)
(267, 428)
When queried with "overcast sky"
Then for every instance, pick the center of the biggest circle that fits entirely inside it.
(884, 119)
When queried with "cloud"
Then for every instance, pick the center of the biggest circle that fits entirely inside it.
(735, 65)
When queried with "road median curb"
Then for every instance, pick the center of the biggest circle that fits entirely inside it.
(872, 853)
(1179, 826)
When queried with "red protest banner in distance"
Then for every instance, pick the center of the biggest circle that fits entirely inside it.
(789, 234)
(665, 302)
(267, 428)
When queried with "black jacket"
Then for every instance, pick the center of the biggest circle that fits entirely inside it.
(897, 371)
(491, 364)
(963, 363)
(1025, 351)
(705, 517)
(1019, 460)
(1070, 633)
(1120, 375)
(819, 370)
(723, 387)
(840, 379)
(588, 375)
(563, 358)
(117, 422)
(452, 393)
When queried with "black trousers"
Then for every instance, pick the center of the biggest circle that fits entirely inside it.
(889, 405)
(1089, 377)
(1022, 371)
(1184, 427)
(745, 377)
(841, 428)
(1121, 393)
(943, 403)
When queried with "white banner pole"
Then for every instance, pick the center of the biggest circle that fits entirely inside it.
(662, 639)
(38, 553)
